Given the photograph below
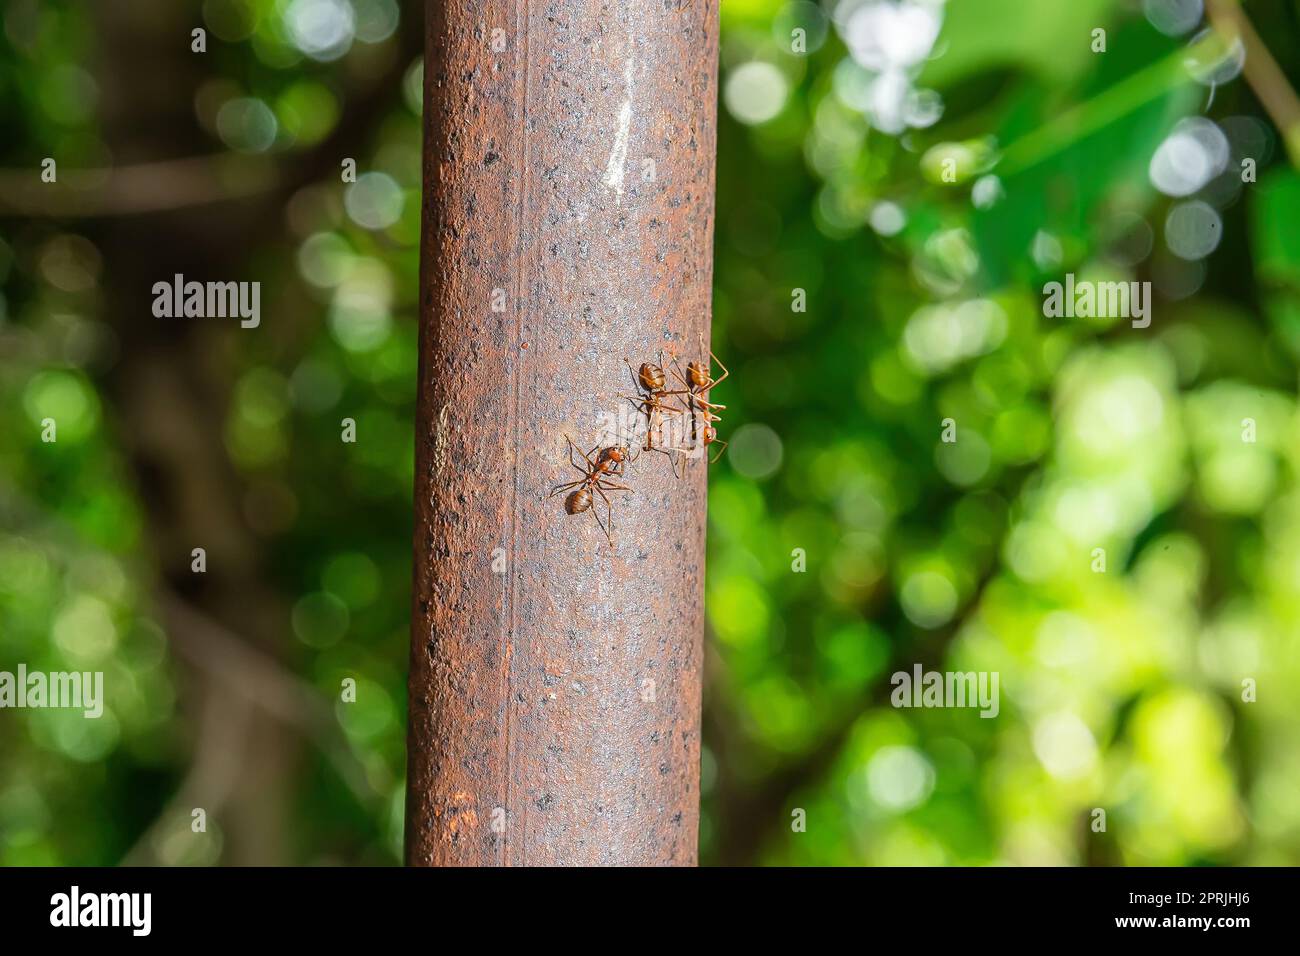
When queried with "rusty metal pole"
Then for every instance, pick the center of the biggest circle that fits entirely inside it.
(555, 680)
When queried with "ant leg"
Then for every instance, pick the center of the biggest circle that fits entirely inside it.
(689, 403)
(725, 373)
(609, 515)
(672, 454)
(672, 462)
(603, 485)
(705, 404)
(708, 411)
(664, 412)
(680, 433)
(663, 448)
(642, 406)
(591, 466)
(596, 514)
(720, 451)
(660, 411)
(665, 409)
(651, 409)
(564, 487)
(686, 388)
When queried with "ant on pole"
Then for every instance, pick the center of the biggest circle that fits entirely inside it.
(697, 382)
(653, 383)
(610, 461)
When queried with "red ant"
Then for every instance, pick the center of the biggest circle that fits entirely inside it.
(697, 383)
(652, 381)
(610, 461)
(709, 435)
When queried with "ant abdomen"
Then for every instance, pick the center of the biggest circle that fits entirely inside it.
(652, 378)
(578, 502)
(698, 374)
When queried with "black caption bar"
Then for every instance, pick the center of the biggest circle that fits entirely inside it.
(334, 906)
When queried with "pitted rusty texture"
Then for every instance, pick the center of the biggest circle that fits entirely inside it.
(555, 680)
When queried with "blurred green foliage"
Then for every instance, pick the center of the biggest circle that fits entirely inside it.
(893, 193)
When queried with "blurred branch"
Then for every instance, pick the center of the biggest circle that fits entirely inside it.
(133, 190)
(218, 754)
(198, 181)
(260, 679)
(1262, 72)
(223, 655)
(1105, 108)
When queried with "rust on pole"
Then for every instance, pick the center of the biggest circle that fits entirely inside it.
(568, 222)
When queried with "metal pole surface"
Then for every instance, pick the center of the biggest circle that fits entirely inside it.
(555, 679)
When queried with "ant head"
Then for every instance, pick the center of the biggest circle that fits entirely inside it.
(698, 373)
(710, 434)
(618, 453)
(652, 377)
